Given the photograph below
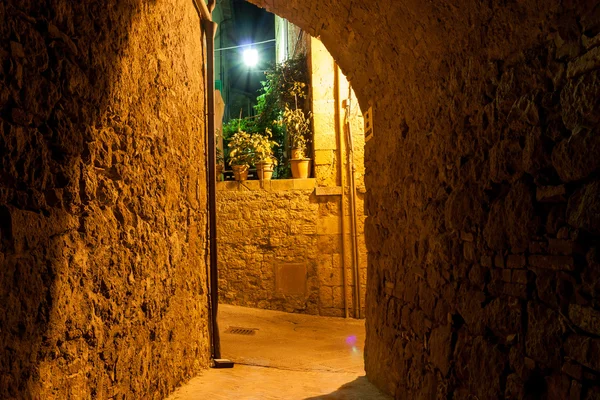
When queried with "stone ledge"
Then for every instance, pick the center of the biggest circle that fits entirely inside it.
(275, 185)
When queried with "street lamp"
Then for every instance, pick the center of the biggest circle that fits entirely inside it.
(250, 57)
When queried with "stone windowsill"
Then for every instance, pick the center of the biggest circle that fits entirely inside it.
(274, 185)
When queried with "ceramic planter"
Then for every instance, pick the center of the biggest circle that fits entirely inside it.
(300, 168)
(297, 154)
(240, 172)
(265, 170)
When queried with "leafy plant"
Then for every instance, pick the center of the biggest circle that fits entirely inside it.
(240, 149)
(298, 129)
(263, 147)
(285, 84)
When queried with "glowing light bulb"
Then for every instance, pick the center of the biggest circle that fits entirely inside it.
(251, 57)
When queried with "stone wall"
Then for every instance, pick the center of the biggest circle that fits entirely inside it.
(102, 200)
(290, 231)
(482, 191)
(280, 248)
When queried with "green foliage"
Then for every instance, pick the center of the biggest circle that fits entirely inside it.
(263, 147)
(298, 128)
(285, 86)
(240, 149)
(250, 149)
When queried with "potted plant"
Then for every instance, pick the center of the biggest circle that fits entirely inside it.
(241, 154)
(263, 154)
(297, 125)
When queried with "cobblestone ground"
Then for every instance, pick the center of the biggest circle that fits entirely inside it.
(289, 356)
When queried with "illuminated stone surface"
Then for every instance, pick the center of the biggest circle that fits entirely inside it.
(476, 106)
(102, 199)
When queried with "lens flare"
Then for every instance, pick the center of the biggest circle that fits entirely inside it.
(351, 340)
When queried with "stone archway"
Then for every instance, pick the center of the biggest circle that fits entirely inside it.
(469, 235)
(482, 195)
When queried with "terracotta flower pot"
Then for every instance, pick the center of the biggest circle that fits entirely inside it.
(240, 172)
(265, 171)
(297, 154)
(300, 168)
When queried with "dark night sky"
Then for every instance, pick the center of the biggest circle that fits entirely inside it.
(252, 24)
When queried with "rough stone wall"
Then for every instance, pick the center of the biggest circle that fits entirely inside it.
(329, 89)
(102, 206)
(262, 230)
(482, 191)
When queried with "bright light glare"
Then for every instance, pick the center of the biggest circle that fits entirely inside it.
(251, 57)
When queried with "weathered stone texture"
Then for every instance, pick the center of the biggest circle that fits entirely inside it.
(102, 206)
(485, 154)
(281, 249)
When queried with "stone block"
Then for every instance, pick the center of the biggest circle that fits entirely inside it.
(338, 296)
(538, 247)
(551, 194)
(586, 318)
(557, 263)
(329, 244)
(544, 335)
(590, 42)
(516, 261)
(575, 159)
(250, 185)
(328, 191)
(324, 157)
(326, 297)
(583, 210)
(586, 63)
(519, 276)
(561, 246)
(328, 226)
(585, 350)
(578, 108)
(304, 184)
(499, 261)
(572, 369)
(486, 261)
(440, 348)
(280, 185)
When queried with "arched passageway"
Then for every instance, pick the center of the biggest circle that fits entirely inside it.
(482, 194)
(481, 181)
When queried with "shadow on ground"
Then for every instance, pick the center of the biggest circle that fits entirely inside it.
(358, 389)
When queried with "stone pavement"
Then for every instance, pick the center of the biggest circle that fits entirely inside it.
(289, 356)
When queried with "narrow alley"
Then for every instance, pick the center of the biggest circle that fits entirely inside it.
(279, 355)
(428, 169)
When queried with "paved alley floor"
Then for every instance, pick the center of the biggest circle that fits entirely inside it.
(288, 356)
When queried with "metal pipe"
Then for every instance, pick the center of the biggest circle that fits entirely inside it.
(211, 29)
(340, 143)
(354, 223)
(211, 6)
(202, 10)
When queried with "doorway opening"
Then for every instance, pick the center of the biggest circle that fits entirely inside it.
(292, 258)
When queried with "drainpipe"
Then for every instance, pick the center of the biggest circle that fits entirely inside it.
(202, 10)
(210, 28)
(354, 224)
(340, 143)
